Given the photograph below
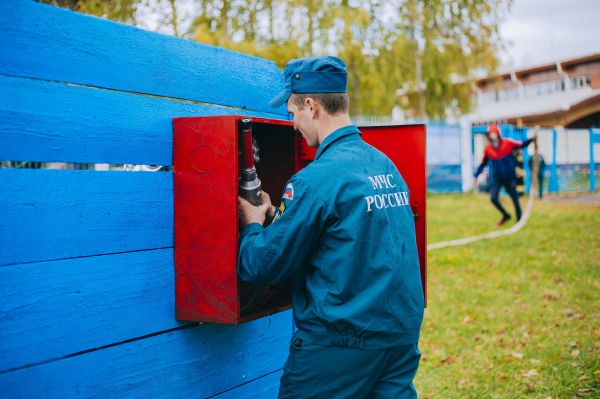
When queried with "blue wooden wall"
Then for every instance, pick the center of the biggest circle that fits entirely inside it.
(86, 257)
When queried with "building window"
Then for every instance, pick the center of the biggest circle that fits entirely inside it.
(580, 82)
(512, 93)
(543, 88)
(488, 97)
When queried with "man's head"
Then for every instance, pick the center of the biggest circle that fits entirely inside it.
(493, 135)
(315, 88)
(308, 109)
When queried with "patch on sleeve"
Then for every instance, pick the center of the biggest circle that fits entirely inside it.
(289, 192)
(279, 211)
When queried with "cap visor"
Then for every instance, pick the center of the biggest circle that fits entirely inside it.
(280, 99)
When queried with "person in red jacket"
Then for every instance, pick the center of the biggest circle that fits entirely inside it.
(498, 153)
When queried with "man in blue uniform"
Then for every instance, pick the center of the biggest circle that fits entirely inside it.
(345, 233)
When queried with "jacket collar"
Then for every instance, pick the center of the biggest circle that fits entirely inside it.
(334, 136)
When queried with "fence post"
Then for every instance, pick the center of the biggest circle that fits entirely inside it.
(594, 138)
(553, 183)
(526, 156)
(466, 154)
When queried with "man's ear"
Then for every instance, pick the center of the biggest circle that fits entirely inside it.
(313, 106)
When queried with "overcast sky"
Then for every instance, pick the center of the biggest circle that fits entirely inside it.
(540, 31)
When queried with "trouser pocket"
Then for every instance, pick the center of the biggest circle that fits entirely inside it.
(296, 344)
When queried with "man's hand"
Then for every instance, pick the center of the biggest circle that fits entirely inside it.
(474, 184)
(249, 213)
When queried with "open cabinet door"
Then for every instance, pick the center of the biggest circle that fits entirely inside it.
(405, 146)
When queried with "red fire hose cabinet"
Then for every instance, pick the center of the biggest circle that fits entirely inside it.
(206, 162)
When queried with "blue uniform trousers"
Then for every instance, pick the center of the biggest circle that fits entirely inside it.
(339, 372)
(510, 187)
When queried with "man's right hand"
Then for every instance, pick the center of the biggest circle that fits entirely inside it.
(249, 213)
(474, 184)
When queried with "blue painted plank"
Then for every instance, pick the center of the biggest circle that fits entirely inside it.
(50, 43)
(45, 121)
(196, 362)
(266, 387)
(56, 214)
(53, 309)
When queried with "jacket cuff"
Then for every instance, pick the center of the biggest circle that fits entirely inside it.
(250, 228)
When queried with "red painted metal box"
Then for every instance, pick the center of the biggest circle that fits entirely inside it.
(206, 168)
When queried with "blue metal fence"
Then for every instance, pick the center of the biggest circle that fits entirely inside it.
(444, 166)
(593, 168)
(443, 158)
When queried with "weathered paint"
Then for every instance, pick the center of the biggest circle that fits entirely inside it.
(206, 226)
(49, 43)
(57, 214)
(49, 121)
(87, 269)
(57, 308)
(195, 362)
(265, 387)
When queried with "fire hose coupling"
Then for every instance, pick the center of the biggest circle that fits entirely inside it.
(249, 183)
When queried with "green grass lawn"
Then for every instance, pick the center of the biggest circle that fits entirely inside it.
(517, 316)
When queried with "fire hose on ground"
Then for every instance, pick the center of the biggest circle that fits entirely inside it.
(518, 226)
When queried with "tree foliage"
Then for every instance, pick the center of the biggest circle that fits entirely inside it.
(430, 49)
(116, 10)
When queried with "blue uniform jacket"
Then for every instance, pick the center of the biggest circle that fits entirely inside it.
(345, 232)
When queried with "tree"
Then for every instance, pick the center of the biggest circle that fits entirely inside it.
(430, 49)
(116, 10)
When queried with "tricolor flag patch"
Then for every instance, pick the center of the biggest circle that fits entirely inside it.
(289, 192)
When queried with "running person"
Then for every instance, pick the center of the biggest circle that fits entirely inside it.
(499, 153)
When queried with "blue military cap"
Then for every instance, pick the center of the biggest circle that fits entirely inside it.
(312, 75)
